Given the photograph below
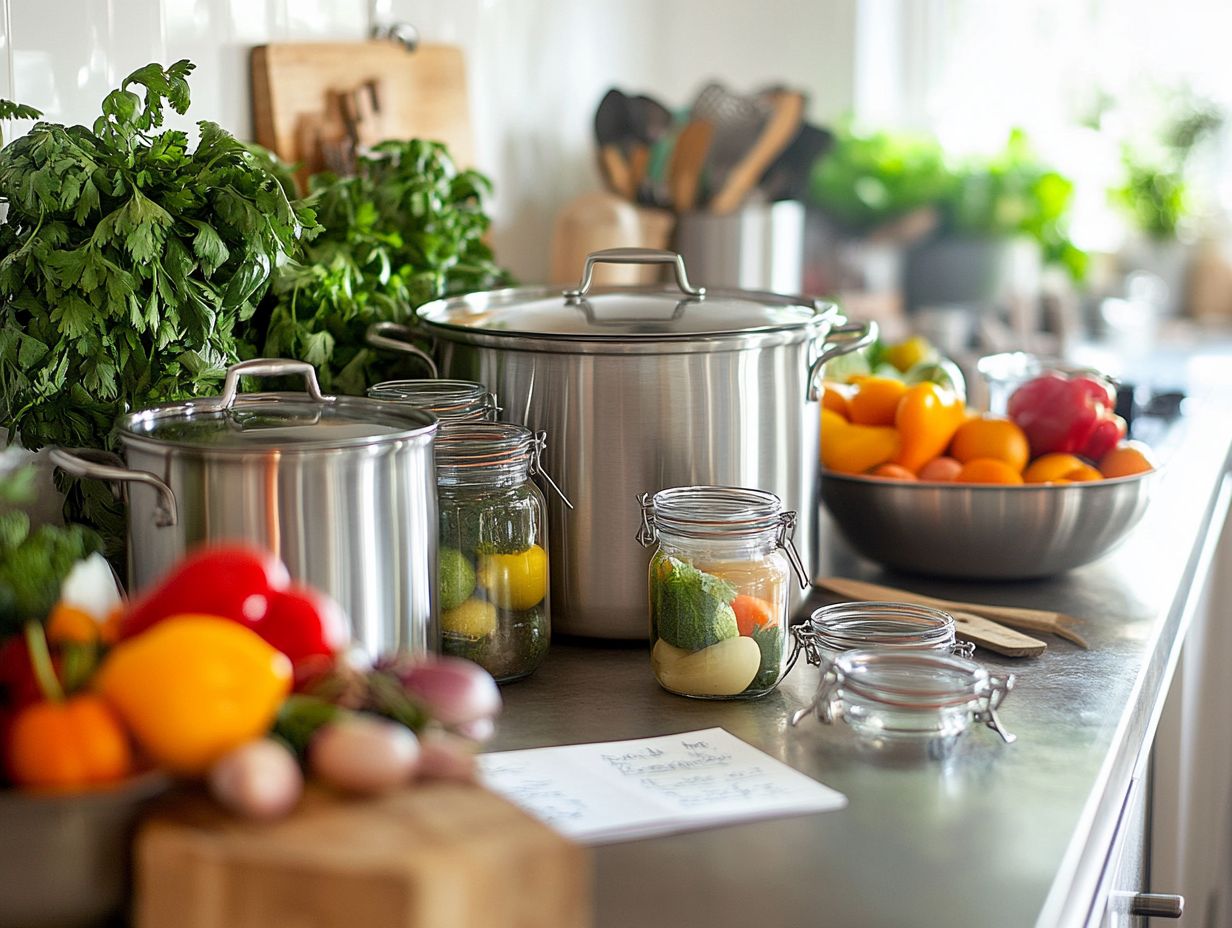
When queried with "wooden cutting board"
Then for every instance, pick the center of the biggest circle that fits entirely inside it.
(437, 856)
(422, 94)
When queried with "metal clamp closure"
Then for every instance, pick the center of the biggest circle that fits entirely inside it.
(647, 534)
(787, 532)
(536, 464)
(998, 687)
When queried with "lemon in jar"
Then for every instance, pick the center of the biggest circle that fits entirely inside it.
(515, 581)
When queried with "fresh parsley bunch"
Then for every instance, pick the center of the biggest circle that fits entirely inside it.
(128, 263)
(406, 229)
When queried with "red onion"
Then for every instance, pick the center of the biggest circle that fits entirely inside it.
(364, 753)
(453, 690)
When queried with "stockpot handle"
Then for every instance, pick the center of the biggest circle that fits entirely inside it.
(102, 465)
(269, 367)
(841, 339)
(394, 336)
(634, 256)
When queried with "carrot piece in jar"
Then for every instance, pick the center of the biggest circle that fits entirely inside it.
(751, 613)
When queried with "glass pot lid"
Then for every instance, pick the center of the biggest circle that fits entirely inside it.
(602, 314)
(275, 421)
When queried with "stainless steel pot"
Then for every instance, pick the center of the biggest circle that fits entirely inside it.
(342, 489)
(642, 390)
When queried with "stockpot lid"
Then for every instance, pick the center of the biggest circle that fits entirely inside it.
(257, 422)
(633, 316)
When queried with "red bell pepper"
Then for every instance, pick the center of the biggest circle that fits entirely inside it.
(1071, 415)
(250, 587)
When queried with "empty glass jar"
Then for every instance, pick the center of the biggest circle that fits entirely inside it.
(831, 630)
(449, 400)
(908, 698)
(493, 579)
(718, 585)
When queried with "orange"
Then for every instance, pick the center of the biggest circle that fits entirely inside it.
(1083, 474)
(1126, 459)
(987, 437)
(876, 400)
(940, 469)
(891, 472)
(832, 398)
(987, 470)
(1051, 468)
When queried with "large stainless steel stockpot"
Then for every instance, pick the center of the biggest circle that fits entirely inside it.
(342, 489)
(643, 390)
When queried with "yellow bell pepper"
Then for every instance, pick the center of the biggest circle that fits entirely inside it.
(854, 449)
(194, 687)
(927, 418)
(876, 400)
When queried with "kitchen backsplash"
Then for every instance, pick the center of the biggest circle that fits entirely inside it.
(536, 69)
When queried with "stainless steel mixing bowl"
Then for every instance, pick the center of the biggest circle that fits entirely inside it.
(985, 532)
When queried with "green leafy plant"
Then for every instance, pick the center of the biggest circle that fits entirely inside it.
(33, 562)
(868, 180)
(406, 229)
(128, 262)
(1014, 193)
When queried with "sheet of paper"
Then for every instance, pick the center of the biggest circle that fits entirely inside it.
(621, 790)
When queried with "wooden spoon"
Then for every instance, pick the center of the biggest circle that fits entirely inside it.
(1038, 620)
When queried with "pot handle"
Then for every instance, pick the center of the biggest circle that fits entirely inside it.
(102, 465)
(633, 256)
(394, 336)
(852, 336)
(269, 367)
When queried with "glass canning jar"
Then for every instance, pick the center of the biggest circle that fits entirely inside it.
(449, 400)
(718, 584)
(493, 571)
(912, 699)
(831, 630)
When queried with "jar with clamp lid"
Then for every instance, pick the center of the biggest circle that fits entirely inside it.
(449, 400)
(718, 584)
(493, 570)
(903, 700)
(841, 627)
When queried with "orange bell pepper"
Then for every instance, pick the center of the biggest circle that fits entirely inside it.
(64, 743)
(77, 742)
(853, 449)
(927, 418)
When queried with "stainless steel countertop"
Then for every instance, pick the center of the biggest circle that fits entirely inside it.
(1002, 835)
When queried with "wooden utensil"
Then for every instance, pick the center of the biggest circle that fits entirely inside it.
(787, 109)
(684, 168)
(422, 93)
(435, 856)
(1038, 620)
(994, 637)
(737, 121)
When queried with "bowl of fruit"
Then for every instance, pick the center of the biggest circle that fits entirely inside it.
(918, 481)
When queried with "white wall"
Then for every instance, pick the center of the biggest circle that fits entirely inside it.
(537, 69)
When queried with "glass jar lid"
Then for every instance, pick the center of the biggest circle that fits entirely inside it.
(702, 512)
(446, 399)
(474, 452)
(903, 626)
(905, 693)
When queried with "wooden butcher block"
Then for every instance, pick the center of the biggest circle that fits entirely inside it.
(436, 856)
(420, 93)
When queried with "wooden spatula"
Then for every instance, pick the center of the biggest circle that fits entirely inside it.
(985, 633)
(1038, 620)
(684, 169)
(782, 126)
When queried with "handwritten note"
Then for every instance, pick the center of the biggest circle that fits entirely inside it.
(621, 790)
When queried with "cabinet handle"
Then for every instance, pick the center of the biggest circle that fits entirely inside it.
(1157, 905)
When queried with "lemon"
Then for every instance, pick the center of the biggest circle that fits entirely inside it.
(515, 581)
(473, 619)
(908, 353)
